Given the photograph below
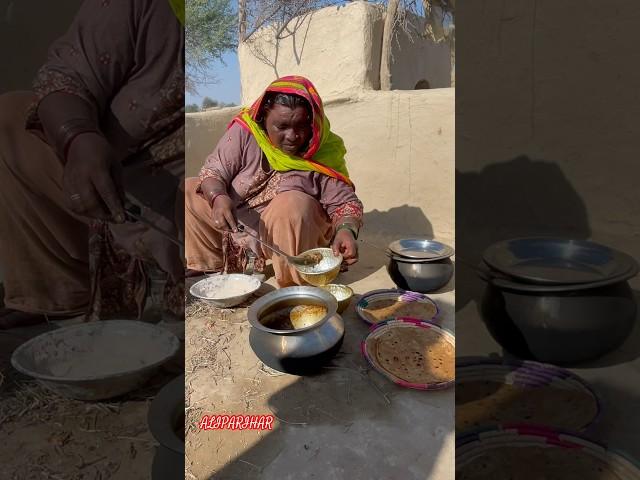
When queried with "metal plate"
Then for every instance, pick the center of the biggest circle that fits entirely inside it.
(367, 347)
(402, 298)
(421, 248)
(557, 261)
(526, 376)
(552, 288)
(486, 441)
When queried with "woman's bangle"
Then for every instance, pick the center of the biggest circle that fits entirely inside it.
(68, 132)
(215, 195)
(348, 226)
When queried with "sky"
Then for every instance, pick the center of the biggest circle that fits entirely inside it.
(227, 86)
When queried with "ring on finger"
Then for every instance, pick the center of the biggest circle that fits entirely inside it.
(74, 197)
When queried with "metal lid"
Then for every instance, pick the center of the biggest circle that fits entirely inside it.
(421, 248)
(558, 261)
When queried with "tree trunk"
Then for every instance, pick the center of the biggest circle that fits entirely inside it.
(387, 41)
(242, 21)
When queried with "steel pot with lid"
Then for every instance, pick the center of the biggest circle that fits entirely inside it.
(295, 350)
(539, 317)
(419, 265)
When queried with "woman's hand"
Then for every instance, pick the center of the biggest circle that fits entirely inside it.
(92, 178)
(344, 243)
(223, 214)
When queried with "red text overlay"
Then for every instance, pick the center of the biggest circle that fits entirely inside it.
(236, 422)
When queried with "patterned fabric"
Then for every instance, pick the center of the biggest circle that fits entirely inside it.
(240, 164)
(118, 281)
(351, 210)
(263, 192)
(235, 257)
(125, 59)
(326, 150)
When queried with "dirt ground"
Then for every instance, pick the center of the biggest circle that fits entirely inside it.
(347, 422)
(46, 436)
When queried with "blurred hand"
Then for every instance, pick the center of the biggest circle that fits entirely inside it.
(92, 179)
(223, 214)
(345, 244)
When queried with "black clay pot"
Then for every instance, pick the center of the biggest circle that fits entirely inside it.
(422, 276)
(166, 422)
(559, 326)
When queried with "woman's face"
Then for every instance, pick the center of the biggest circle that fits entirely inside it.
(288, 128)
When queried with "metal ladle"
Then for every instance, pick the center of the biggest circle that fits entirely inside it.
(302, 260)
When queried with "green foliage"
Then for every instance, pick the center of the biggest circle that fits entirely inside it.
(191, 108)
(208, 102)
(210, 30)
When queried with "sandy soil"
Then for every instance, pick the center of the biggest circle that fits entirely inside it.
(52, 437)
(347, 422)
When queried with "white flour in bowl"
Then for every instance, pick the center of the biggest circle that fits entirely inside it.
(96, 350)
(226, 287)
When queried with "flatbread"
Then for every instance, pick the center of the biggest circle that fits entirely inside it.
(306, 315)
(536, 463)
(416, 355)
(384, 309)
(482, 403)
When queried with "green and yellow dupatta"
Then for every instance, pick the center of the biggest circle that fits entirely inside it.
(326, 150)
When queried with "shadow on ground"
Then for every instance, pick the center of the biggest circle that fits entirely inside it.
(381, 228)
(329, 425)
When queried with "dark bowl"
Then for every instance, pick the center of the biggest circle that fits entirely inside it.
(419, 275)
(561, 327)
(166, 422)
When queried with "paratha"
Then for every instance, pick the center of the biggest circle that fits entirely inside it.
(482, 403)
(414, 354)
(302, 316)
(378, 310)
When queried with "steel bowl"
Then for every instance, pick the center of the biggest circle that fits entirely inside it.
(342, 294)
(419, 275)
(302, 350)
(319, 277)
(252, 285)
(97, 360)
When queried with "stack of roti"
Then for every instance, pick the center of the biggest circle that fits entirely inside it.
(484, 403)
(413, 354)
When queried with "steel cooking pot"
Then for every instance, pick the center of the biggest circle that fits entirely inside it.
(301, 350)
(422, 276)
(559, 323)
